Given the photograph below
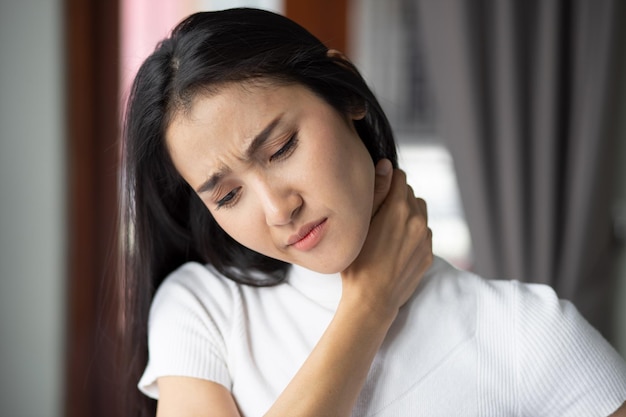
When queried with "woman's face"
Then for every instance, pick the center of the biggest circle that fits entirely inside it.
(280, 170)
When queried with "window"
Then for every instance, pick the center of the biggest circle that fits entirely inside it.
(386, 48)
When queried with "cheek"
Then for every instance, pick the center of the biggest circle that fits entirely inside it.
(244, 225)
(235, 226)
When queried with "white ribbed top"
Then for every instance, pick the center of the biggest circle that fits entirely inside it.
(462, 346)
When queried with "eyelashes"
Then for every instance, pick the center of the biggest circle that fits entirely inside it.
(229, 199)
(284, 152)
(286, 149)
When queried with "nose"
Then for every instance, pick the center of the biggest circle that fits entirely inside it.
(280, 202)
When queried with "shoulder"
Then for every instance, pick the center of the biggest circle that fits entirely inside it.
(560, 351)
(193, 286)
(532, 313)
(191, 318)
(504, 299)
(193, 277)
(529, 338)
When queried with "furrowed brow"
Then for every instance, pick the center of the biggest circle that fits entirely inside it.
(252, 149)
(260, 139)
(212, 182)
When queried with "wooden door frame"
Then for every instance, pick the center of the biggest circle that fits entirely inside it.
(92, 105)
(326, 19)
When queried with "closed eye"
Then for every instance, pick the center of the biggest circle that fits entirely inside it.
(229, 199)
(284, 152)
(287, 148)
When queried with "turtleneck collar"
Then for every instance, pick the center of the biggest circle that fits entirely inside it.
(325, 289)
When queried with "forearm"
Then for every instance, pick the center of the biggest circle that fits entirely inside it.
(621, 412)
(331, 378)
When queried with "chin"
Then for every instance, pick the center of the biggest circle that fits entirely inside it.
(336, 264)
(327, 270)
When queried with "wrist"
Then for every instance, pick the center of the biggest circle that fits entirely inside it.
(367, 310)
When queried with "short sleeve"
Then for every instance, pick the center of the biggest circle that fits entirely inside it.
(566, 367)
(187, 328)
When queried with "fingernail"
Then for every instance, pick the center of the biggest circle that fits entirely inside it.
(383, 167)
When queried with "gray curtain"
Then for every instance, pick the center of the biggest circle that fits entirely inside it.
(525, 102)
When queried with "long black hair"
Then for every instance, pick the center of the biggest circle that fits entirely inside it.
(165, 223)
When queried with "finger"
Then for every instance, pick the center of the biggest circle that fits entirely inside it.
(410, 197)
(395, 205)
(423, 208)
(422, 255)
(427, 251)
(382, 183)
(417, 204)
(399, 189)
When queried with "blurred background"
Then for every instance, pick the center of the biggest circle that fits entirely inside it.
(510, 118)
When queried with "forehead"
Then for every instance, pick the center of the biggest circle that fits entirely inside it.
(226, 106)
(236, 108)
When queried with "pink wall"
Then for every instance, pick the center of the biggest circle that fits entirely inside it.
(144, 23)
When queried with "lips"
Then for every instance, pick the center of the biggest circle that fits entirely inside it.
(308, 236)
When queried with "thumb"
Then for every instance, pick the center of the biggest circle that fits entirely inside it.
(382, 183)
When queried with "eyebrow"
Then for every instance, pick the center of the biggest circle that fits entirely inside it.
(252, 149)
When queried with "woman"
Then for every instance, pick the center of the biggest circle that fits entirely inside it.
(251, 147)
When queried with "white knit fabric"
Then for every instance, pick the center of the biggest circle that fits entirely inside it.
(462, 346)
